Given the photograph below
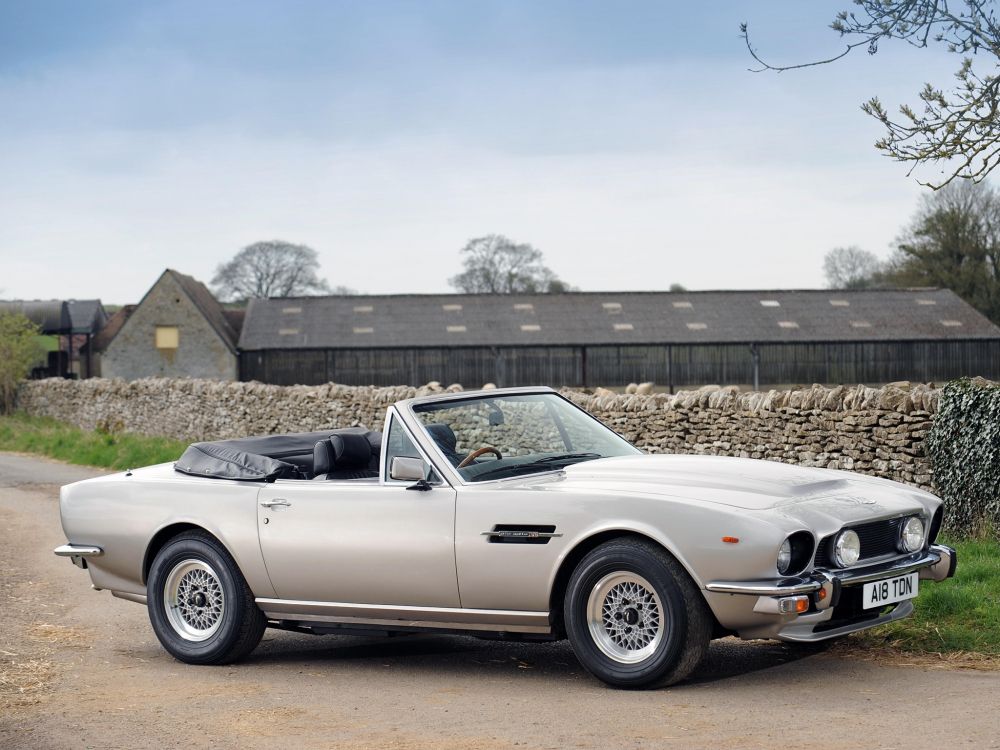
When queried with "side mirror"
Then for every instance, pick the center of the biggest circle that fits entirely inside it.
(406, 469)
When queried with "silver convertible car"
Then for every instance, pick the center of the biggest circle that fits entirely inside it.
(509, 514)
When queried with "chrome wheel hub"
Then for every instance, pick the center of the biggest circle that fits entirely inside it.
(625, 617)
(193, 600)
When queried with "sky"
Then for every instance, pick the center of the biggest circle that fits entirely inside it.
(627, 141)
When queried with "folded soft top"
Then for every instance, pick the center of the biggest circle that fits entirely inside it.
(263, 458)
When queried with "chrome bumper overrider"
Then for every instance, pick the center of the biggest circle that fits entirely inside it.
(937, 563)
(78, 553)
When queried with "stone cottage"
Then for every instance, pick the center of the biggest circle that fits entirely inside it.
(177, 330)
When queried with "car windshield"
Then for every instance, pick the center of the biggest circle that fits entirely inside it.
(496, 437)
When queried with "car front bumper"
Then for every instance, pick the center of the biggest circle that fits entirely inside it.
(754, 609)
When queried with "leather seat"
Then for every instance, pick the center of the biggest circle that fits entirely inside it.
(344, 456)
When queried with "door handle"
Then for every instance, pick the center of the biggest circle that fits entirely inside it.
(278, 502)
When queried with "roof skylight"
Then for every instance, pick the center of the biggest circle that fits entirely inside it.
(697, 326)
(456, 329)
(451, 308)
(788, 324)
(363, 308)
(840, 303)
(364, 329)
(529, 327)
(684, 304)
(624, 327)
(770, 303)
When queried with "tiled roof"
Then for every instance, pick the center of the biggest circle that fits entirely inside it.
(596, 318)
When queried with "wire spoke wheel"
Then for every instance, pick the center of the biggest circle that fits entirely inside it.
(625, 617)
(193, 600)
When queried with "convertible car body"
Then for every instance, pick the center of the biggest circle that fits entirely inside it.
(509, 513)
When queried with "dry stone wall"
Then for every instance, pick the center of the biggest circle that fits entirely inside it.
(873, 431)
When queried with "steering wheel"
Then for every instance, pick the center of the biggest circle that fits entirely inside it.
(477, 453)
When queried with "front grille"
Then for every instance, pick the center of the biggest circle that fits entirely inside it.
(878, 539)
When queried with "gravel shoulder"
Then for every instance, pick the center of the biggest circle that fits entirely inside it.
(81, 669)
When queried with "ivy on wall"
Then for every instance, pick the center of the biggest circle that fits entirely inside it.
(964, 448)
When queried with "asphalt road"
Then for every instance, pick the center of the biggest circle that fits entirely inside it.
(80, 669)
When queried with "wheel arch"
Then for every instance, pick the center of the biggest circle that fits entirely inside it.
(164, 535)
(584, 546)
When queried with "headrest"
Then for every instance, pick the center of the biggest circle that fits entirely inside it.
(322, 457)
(375, 441)
(350, 450)
(443, 435)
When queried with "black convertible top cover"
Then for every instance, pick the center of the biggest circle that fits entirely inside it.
(262, 459)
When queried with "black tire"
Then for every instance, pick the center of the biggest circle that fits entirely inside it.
(671, 623)
(196, 569)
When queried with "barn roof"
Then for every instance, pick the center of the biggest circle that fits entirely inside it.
(56, 316)
(111, 327)
(86, 315)
(594, 318)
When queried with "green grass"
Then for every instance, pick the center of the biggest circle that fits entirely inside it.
(49, 437)
(48, 343)
(961, 614)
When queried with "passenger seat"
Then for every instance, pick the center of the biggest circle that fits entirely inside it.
(344, 456)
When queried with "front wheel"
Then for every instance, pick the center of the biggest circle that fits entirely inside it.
(200, 606)
(634, 617)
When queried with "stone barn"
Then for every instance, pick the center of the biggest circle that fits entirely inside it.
(177, 330)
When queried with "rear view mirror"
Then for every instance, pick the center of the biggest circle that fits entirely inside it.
(406, 469)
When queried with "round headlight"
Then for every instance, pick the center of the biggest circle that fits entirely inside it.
(847, 548)
(785, 556)
(911, 538)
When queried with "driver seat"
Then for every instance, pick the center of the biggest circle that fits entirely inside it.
(446, 440)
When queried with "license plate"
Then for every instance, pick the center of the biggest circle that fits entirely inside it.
(889, 591)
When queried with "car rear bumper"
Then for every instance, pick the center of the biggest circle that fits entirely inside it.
(758, 609)
(78, 553)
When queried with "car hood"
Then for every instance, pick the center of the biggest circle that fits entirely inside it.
(744, 483)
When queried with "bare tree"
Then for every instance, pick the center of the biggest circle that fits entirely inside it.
(495, 264)
(958, 129)
(850, 268)
(270, 269)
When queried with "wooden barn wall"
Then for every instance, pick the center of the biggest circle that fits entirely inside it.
(677, 365)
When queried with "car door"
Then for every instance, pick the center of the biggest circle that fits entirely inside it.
(361, 541)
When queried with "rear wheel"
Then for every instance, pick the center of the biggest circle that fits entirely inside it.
(200, 606)
(634, 617)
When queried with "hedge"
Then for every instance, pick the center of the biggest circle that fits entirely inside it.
(964, 448)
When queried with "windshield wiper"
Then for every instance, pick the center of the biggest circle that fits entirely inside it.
(563, 457)
(538, 462)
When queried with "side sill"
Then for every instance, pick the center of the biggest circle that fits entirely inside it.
(137, 598)
(437, 618)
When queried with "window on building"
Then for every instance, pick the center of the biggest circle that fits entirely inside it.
(167, 337)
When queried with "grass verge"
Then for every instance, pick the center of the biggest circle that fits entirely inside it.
(48, 437)
(960, 616)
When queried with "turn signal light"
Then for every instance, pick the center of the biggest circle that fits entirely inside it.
(731, 539)
(793, 605)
